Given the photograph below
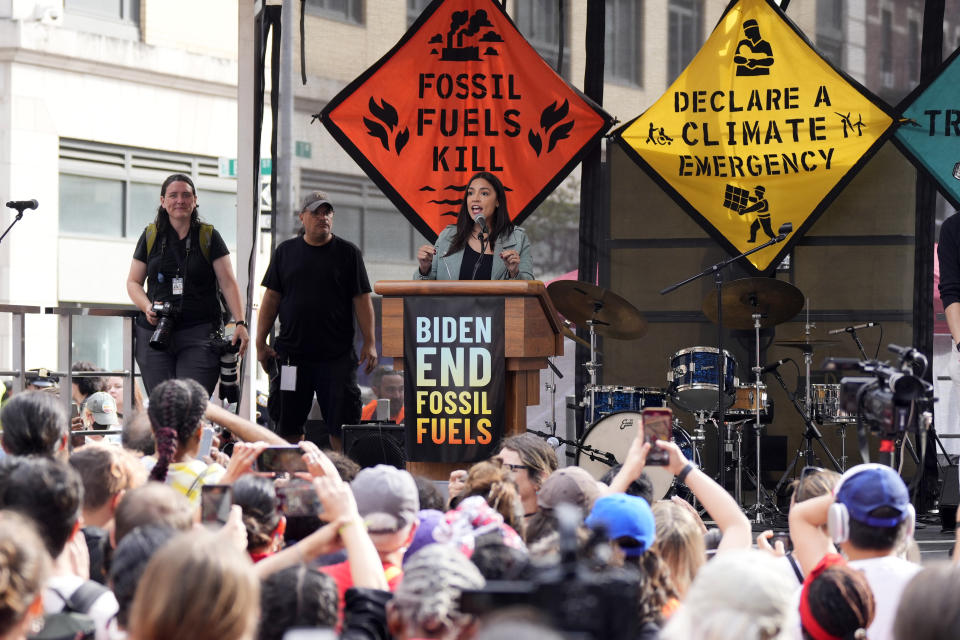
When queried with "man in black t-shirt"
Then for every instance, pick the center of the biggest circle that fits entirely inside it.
(316, 283)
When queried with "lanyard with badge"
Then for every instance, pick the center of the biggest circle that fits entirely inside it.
(177, 282)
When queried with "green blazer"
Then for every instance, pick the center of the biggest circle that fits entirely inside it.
(446, 267)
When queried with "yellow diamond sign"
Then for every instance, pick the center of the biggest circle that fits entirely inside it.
(759, 130)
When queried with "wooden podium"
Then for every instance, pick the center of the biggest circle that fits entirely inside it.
(532, 335)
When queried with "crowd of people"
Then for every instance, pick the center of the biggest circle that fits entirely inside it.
(180, 529)
(113, 541)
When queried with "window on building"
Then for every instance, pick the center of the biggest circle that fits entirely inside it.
(346, 10)
(913, 55)
(623, 53)
(886, 42)
(112, 18)
(684, 35)
(118, 10)
(365, 217)
(414, 9)
(99, 340)
(830, 27)
(111, 191)
(539, 22)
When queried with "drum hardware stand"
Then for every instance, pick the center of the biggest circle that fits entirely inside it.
(717, 271)
(810, 434)
(808, 358)
(552, 388)
(842, 429)
(594, 365)
(758, 508)
(738, 479)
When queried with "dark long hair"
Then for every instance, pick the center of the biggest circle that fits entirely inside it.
(501, 224)
(163, 218)
(841, 602)
(176, 407)
(257, 497)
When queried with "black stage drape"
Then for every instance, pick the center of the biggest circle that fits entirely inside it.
(591, 184)
(931, 55)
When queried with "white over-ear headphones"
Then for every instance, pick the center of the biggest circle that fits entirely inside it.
(838, 517)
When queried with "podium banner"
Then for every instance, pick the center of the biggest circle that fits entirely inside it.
(454, 379)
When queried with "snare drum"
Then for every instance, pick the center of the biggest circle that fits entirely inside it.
(614, 433)
(825, 399)
(613, 399)
(745, 402)
(694, 380)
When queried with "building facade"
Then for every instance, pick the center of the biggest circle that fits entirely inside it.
(103, 98)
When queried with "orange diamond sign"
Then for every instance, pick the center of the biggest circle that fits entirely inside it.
(463, 92)
(758, 131)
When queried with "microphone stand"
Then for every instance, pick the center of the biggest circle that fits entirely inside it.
(853, 334)
(19, 206)
(717, 271)
(597, 455)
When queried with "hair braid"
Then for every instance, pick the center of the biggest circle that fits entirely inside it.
(176, 407)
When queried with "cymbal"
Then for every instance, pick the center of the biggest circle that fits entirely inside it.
(582, 302)
(806, 345)
(775, 300)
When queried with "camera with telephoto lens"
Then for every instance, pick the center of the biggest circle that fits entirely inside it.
(229, 355)
(580, 599)
(167, 322)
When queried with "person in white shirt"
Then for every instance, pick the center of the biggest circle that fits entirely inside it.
(867, 516)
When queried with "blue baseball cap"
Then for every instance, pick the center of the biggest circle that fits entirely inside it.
(870, 486)
(624, 516)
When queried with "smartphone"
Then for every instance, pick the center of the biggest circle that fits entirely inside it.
(657, 425)
(206, 442)
(215, 503)
(298, 498)
(285, 459)
(783, 537)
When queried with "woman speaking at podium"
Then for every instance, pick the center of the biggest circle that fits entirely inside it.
(484, 244)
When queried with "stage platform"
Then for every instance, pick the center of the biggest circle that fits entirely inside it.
(935, 544)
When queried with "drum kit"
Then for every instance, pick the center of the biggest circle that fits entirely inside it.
(701, 380)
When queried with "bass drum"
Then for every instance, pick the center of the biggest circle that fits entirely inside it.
(613, 434)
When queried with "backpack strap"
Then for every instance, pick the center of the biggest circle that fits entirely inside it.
(206, 239)
(81, 601)
(151, 237)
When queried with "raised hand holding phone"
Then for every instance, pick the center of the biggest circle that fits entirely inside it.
(676, 461)
(244, 455)
(633, 464)
(657, 427)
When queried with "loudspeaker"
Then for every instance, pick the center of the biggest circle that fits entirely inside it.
(372, 444)
(949, 499)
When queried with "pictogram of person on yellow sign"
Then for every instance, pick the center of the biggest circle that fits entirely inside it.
(761, 207)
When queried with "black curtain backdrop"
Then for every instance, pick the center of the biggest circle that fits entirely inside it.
(591, 184)
(931, 55)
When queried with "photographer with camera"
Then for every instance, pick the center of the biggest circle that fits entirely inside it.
(184, 262)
